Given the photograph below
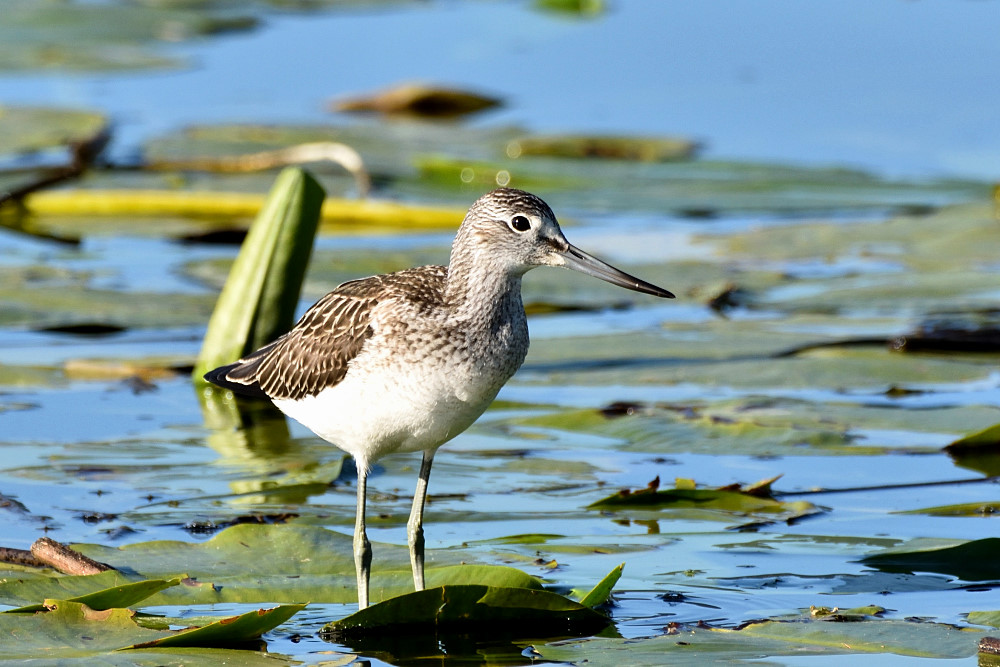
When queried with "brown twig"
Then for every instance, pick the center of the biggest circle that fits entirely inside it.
(887, 487)
(64, 559)
(322, 151)
(82, 156)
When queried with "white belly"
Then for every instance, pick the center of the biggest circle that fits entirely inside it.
(402, 408)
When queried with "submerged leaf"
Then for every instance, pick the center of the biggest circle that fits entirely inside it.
(869, 637)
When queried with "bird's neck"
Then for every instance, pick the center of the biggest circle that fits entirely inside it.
(482, 288)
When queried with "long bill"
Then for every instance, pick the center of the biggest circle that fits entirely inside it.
(578, 260)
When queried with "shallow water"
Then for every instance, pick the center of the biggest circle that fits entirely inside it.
(618, 388)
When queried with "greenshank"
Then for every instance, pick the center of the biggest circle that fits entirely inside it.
(406, 361)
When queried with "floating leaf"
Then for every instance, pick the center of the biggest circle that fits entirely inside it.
(125, 595)
(233, 630)
(971, 561)
(102, 36)
(363, 214)
(600, 593)
(985, 618)
(485, 575)
(74, 630)
(987, 437)
(959, 509)
(70, 629)
(713, 499)
(472, 609)
(770, 638)
(979, 451)
(641, 149)
(420, 100)
(24, 129)
(302, 563)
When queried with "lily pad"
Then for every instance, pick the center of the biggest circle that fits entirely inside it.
(988, 508)
(74, 630)
(978, 451)
(641, 149)
(102, 36)
(227, 631)
(601, 592)
(985, 618)
(772, 638)
(302, 563)
(24, 129)
(971, 561)
(125, 595)
(708, 499)
(472, 608)
(419, 100)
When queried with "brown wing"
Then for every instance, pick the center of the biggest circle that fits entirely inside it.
(315, 354)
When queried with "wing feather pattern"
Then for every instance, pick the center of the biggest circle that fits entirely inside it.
(316, 353)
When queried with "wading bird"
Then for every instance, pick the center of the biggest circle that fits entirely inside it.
(404, 362)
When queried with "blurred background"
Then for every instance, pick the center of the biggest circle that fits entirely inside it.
(899, 88)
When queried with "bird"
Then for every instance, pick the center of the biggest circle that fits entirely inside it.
(406, 361)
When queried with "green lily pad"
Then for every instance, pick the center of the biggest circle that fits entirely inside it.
(960, 509)
(70, 630)
(971, 561)
(122, 596)
(419, 100)
(302, 563)
(472, 608)
(102, 36)
(601, 592)
(233, 630)
(73, 630)
(641, 149)
(978, 451)
(24, 129)
(985, 618)
(771, 638)
(709, 499)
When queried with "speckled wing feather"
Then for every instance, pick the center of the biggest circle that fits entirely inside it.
(316, 353)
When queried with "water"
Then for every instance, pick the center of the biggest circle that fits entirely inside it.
(849, 84)
(115, 460)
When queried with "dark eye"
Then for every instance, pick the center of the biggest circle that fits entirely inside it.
(519, 223)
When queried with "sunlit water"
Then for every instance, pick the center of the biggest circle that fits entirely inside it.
(117, 462)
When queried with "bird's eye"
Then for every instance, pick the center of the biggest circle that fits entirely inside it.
(519, 223)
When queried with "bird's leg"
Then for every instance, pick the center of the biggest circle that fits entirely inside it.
(362, 547)
(415, 526)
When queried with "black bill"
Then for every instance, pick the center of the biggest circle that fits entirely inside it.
(578, 260)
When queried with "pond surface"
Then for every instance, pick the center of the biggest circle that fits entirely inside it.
(776, 359)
